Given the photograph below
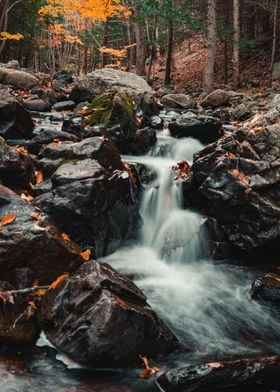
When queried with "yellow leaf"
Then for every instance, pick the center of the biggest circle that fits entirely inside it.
(40, 292)
(86, 254)
(7, 219)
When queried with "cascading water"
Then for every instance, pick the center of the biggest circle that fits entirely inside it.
(207, 305)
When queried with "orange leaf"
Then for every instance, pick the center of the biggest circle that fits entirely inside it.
(148, 371)
(86, 254)
(61, 279)
(35, 216)
(22, 150)
(27, 197)
(241, 177)
(7, 219)
(39, 177)
(65, 237)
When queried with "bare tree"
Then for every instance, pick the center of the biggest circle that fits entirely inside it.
(211, 49)
(236, 42)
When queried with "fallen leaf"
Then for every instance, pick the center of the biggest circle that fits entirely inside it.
(215, 364)
(7, 219)
(121, 302)
(86, 254)
(241, 177)
(40, 292)
(22, 150)
(148, 371)
(6, 296)
(26, 197)
(39, 177)
(36, 217)
(65, 237)
(58, 282)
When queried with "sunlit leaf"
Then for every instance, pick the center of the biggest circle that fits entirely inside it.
(58, 282)
(86, 254)
(7, 219)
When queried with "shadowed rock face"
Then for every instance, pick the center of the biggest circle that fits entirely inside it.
(36, 244)
(101, 319)
(92, 197)
(236, 181)
(253, 374)
(16, 168)
(15, 121)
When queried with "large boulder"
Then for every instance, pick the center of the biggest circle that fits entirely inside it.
(216, 99)
(180, 101)
(18, 79)
(31, 241)
(101, 319)
(108, 79)
(93, 197)
(207, 129)
(254, 374)
(15, 121)
(236, 181)
(16, 167)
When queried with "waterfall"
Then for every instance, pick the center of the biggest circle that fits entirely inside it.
(207, 305)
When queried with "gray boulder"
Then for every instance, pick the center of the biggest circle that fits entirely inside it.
(18, 79)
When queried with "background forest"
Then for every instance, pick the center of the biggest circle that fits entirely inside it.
(165, 40)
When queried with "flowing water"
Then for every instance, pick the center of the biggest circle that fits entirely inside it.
(206, 303)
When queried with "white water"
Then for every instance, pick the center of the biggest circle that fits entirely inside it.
(208, 305)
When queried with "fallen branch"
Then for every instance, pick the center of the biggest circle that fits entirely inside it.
(28, 290)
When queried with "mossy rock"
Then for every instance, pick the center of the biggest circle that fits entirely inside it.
(112, 109)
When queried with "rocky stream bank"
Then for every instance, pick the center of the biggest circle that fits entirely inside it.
(102, 167)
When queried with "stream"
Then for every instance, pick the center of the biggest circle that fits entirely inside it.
(206, 303)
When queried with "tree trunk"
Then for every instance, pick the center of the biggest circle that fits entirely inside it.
(236, 39)
(211, 49)
(274, 39)
(168, 65)
(104, 60)
(140, 42)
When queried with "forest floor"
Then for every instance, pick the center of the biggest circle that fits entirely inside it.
(189, 62)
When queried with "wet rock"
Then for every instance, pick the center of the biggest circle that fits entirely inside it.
(108, 79)
(16, 168)
(258, 374)
(267, 289)
(236, 181)
(97, 207)
(15, 121)
(242, 112)
(74, 125)
(15, 327)
(180, 101)
(101, 319)
(216, 98)
(47, 136)
(36, 104)
(33, 243)
(96, 148)
(64, 105)
(18, 79)
(204, 128)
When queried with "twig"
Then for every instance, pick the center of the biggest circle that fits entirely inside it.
(28, 290)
